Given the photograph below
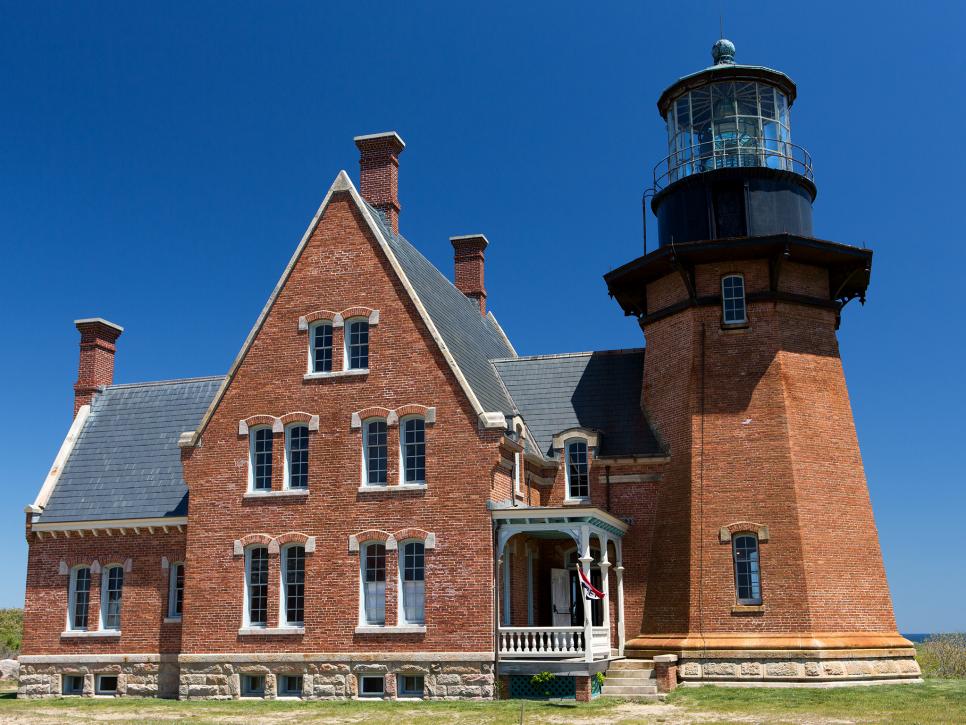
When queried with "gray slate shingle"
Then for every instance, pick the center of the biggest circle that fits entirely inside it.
(597, 390)
(126, 463)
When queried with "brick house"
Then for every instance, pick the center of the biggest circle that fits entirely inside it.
(382, 499)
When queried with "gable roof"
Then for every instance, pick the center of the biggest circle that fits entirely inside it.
(596, 390)
(472, 342)
(126, 463)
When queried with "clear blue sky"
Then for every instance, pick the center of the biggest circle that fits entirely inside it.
(160, 162)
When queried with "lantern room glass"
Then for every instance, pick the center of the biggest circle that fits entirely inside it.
(729, 124)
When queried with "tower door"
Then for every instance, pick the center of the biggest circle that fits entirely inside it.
(729, 210)
(560, 597)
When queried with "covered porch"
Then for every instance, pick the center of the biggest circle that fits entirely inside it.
(544, 612)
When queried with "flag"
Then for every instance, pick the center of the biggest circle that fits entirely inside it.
(590, 591)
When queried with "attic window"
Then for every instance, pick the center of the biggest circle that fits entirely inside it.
(357, 344)
(321, 351)
(578, 471)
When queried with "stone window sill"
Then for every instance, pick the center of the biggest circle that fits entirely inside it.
(398, 488)
(737, 327)
(336, 374)
(91, 633)
(576, 502)
(748, 609)
(399, 629)
(172, 620)
(285, 493)
(270, 631)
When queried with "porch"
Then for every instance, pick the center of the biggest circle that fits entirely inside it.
(547, 619)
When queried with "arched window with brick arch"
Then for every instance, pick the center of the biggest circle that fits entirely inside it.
(112, 588)
(320, 346)
(78, 598)
(356, 344)
(412, 579)
(375, 452)
(260, 458)
(372, 559)
(297, 456)
(412, 449)
(256, 586)
(293, 585)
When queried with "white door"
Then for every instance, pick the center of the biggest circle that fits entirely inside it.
(560, 595)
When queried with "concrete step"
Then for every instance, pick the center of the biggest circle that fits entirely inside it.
(660, 696)
(628, 690)
(631, 665)
(620, 679)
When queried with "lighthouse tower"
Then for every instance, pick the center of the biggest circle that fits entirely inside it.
(765, 563)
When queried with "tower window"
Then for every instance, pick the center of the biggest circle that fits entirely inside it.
(733, 299)
(747, 572)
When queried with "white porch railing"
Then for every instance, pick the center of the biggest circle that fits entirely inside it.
(542, 641)
(600, 641)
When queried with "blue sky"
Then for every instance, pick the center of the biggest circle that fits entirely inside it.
(160, 163)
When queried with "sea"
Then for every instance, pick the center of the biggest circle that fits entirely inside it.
(916, 637)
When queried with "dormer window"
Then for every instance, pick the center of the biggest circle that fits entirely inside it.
(260, 459)
(357, 344)
(320, 354)
(733, 299)
(578, 470)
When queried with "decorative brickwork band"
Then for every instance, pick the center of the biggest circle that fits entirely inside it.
(275, 543)
(392, 416)
(306, 320)
(355, 540)
(427, 537)
(277, 423)
(740, 527)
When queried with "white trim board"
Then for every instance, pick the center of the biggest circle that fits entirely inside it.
(60, 460)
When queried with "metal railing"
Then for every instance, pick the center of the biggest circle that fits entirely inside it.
(730, 154)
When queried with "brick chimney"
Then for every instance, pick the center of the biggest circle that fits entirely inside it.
(468, 261)
(96, 367)
(379, 172)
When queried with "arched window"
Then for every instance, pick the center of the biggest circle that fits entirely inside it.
(293, 585)
(733, 299)
(256, 586)
(578, 470)
(374, 583)
(413, 449)
(260, 459)
(412, 565)
(374, 452)
(112, 586)
(78, 597)
(357, 344)
(297, 456)
(320, 351)
(175, 590)
(747, 572)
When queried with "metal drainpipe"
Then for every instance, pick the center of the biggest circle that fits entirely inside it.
(496, 616)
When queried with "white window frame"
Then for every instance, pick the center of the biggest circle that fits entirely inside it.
(247, 608)
(530, 613)
(402, 451)
(381, 693)
(505, 615)
(363, 553)
(173, 590)
(287, 465)
(283, 586)
(72, 598)
(252, 435)
(744, 300)
(365, 453)
(311, 358)
(400, 583)
(755, 577)
(346, 342)
(518, 475)
(99, 690)
(105, 572)
(568, 444)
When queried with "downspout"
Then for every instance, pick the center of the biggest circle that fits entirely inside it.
(496, 614)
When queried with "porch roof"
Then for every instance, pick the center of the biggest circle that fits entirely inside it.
(531, 517)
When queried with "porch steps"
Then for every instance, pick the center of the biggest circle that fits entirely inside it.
(631, 678)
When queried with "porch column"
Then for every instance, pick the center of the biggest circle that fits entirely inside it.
(585, 561)
(619, 572)
(604, 565)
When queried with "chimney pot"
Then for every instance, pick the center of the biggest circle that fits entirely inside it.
(468, 262)
(96, 368)
(379, 172)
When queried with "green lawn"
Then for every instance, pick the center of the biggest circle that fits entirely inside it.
(936, 701)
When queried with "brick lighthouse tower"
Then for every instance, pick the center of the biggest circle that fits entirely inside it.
(765, 564)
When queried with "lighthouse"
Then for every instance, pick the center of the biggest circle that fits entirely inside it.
(765, 565)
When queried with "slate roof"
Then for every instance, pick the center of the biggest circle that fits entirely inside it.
(472, 338)
(597, 390)
(126, 463)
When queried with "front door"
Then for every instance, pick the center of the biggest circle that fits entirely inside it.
(560, 596)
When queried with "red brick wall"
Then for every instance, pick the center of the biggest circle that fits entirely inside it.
(143, 603)
(340, 268)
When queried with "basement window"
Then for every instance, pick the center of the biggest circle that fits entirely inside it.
(410, 685)
(73, 685)
(253, 686)
(290, 686)
(106, 685)
(372, 686)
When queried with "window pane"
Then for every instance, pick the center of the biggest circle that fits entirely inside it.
(414, 585)
(747, 574)
(733, 298)
(414, 450)
(358, 344)
(176, 591)
(322, 348)
(295, 584)
(374, 582)
(82, 594)
(258, 586)
(114, 582)
(262, 459)
(376, 452)
(298, 456)
(579, 475)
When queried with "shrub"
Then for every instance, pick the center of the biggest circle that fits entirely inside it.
(599, 678)
(11, 631)
(542, 681)
(943, 655)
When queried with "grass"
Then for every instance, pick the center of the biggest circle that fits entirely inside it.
(936, 701)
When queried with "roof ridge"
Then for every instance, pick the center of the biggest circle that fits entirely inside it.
(173, 381)
(557, 355)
